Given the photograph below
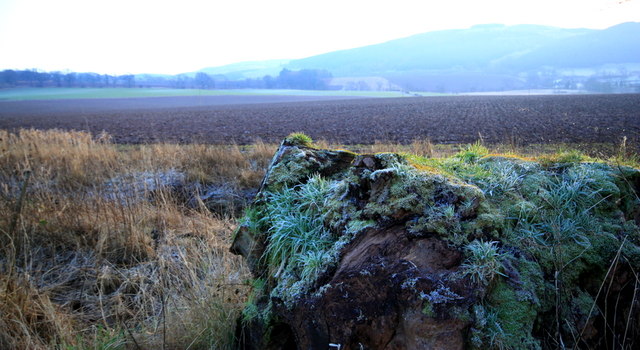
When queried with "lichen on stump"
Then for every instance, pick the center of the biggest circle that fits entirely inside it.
(387, 251)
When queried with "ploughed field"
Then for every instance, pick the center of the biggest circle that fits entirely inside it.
(244, 119)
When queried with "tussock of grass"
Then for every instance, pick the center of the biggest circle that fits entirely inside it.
(299, 139)
(483, 261)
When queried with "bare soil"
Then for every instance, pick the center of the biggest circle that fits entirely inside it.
(523, 120)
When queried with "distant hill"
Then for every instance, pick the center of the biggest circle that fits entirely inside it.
(615, 45)
(247, 70)
(480, 58)
(478, 47)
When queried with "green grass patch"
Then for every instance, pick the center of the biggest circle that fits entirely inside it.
(25, 94)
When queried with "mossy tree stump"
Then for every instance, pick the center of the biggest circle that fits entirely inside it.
(388, 251)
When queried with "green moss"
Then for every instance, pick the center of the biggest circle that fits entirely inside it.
(427, 309)
(489, 222)
(355, 226)
(477, 332)
(461, 313)
(624, 178)
(441, 220)
(251, 310)
(290, 288)
(437, 203)
(515, 314)
(631, 253)
(562, 158)
(391, 160)
(251, 220)
(583, 307)
(293, 168)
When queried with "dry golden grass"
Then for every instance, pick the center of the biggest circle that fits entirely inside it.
(69, 158)
(29, 320)
(85, 265)
(206, 163)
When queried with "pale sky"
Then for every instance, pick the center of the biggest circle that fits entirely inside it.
(157, 36)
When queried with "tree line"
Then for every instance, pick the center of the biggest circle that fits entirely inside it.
(305, 79)
(36, 78)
